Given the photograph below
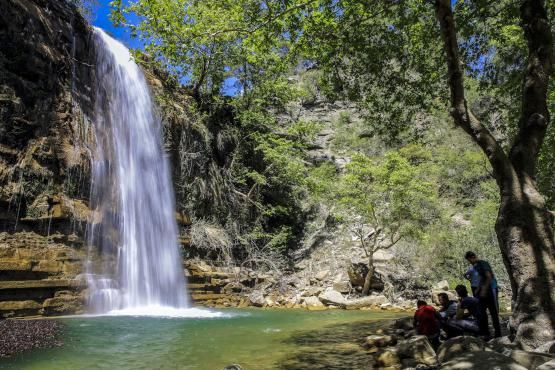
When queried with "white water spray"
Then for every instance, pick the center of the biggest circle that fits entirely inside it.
(131, 197)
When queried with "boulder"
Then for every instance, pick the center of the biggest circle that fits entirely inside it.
(441, 285)
(457, 346)
(548, 347)
(380, 341)
(342, 286)
(369, 301)
(404, 323)
(313, 303)
(321, 275)
(333, 297)
(482, 360)
(357, 274)
(388, 358)
(62, 305)
(419, 349)
(312, 290)
(547, 366)
(256, 298)
(530, 360)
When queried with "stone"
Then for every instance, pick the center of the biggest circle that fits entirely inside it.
(547, 366)
(405, 323)
(369, 301)
(61, 305)
(312, 291)
(19, 305)
(482, 360)
(457, 346)
(53, 267)
(333, 297)
(15, 265)
(380, 341)
(503, 345)
(321, 275)
(36, 284)
(256, 298)
(441, 285)
(548, 347)
(233, 287)
(313, 303)
(388, 358)
(419, 349)
(233, 367)
(530, 360)
(342, 286)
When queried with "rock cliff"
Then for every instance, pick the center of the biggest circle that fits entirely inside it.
(45, 84)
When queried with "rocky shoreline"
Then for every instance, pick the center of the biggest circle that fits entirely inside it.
(396, 346)
(23, 335)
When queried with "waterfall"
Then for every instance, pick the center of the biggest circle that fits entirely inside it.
(131, 194)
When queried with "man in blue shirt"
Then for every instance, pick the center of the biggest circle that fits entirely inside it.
(486, 294)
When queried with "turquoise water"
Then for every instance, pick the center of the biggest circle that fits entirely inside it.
(255, 339)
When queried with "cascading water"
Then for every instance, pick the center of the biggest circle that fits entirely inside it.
(131, 194)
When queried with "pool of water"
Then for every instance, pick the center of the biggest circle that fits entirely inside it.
(253, 338)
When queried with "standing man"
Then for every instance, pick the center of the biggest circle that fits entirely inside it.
(486, 294)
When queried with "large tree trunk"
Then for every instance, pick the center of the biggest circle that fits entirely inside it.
(524, 226)
(369, 275)
(525, 232)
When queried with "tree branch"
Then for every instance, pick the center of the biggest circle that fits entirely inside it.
(459, 109)
(534, 118)
(270, 19)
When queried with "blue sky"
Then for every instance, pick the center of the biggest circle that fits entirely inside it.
(101, 19)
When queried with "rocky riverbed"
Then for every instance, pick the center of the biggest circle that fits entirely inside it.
(23, 335)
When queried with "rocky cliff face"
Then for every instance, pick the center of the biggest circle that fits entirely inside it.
(45, 89)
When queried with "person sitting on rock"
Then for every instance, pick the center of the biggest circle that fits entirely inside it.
(426, 322)
(448, 307)
(467, 317)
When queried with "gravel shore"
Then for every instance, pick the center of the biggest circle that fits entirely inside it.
(22, 335)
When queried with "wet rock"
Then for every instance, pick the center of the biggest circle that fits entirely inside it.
(313, 303)
(457, 346)
(388, 358)
(482, 360)
(380, 341)
(404, 323)
(419, 349)
(62, 305)
(233, 367)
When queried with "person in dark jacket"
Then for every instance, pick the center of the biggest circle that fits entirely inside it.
(486, 294)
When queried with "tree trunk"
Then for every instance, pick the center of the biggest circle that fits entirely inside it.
(369, 275)
(524, 226)
(525, 232)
